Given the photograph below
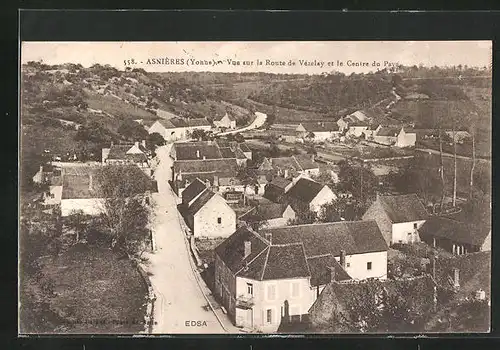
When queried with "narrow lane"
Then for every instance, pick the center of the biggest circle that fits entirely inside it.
(181, 306)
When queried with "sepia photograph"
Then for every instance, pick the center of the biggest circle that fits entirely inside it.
(279, 187)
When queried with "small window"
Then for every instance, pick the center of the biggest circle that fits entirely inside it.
(219, 220)
(271, 292)
(269, 316)
(348, 265)
(250, 288)
(369, 265)
(415, 226)
(295, 289)
(409, 233)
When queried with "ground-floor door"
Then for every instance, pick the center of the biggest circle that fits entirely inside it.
(249, 321)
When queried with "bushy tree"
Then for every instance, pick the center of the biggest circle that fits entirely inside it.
(125, 212)
(132, 130)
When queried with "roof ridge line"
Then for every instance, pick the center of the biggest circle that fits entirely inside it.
(305, 257)
(265, 263)
(317, 224)
(251, 261)
(319, 256)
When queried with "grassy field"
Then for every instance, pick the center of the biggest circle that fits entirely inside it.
(116, 107)
(93, 284)
(463, 170)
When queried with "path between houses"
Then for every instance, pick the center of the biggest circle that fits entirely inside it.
(180, 299)
(260, 119)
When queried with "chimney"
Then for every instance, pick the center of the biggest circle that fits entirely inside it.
(269, 237)
(143, 143)
(204, 158)
(90, 183)
(197, 153)
(286, 173)
(207, 183)
(342, 258)
(112, 143)
(41, 169)
(216, 180)
(248, 248)
(332, 273)
(136, 143)
(456, 278)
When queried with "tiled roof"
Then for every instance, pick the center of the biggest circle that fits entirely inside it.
(273, 192)
(354, 237)
(78, 187)
(244, 147)
(320, 126)
(305, 190)
(285, 261)
(305, 162)
(457, 231)
(221, 166)
(120, 152)
(183, 123)
(267, 211)
(389, 131)
(280, 182)
(320, 270)
(197, 122)
(200, 202)
(285, 163)
(232, 250)
(404, 208)
(190, 150)
(226, 152)
(272, 261)
(194, 189)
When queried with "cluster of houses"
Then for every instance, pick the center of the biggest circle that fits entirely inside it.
(281, 270)
(355, 125)
(175, 128)
(74, 186)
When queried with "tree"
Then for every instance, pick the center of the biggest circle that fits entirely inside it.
(132, 130)
(199, 134)
(359, 180)
(77, 220)
(153, 140)
(303, 215)
(332, 211)
(124, 212)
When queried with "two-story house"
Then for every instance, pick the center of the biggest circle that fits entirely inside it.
(399, 217)
(207, 214)
(279, 272)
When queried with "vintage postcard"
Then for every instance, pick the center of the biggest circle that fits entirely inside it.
(255, 187)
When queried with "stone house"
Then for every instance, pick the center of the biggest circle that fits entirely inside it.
(269, 214)
(262, 278)
(399, 217)
(207, 214)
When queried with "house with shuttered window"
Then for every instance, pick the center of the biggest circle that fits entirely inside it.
(264, 278)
